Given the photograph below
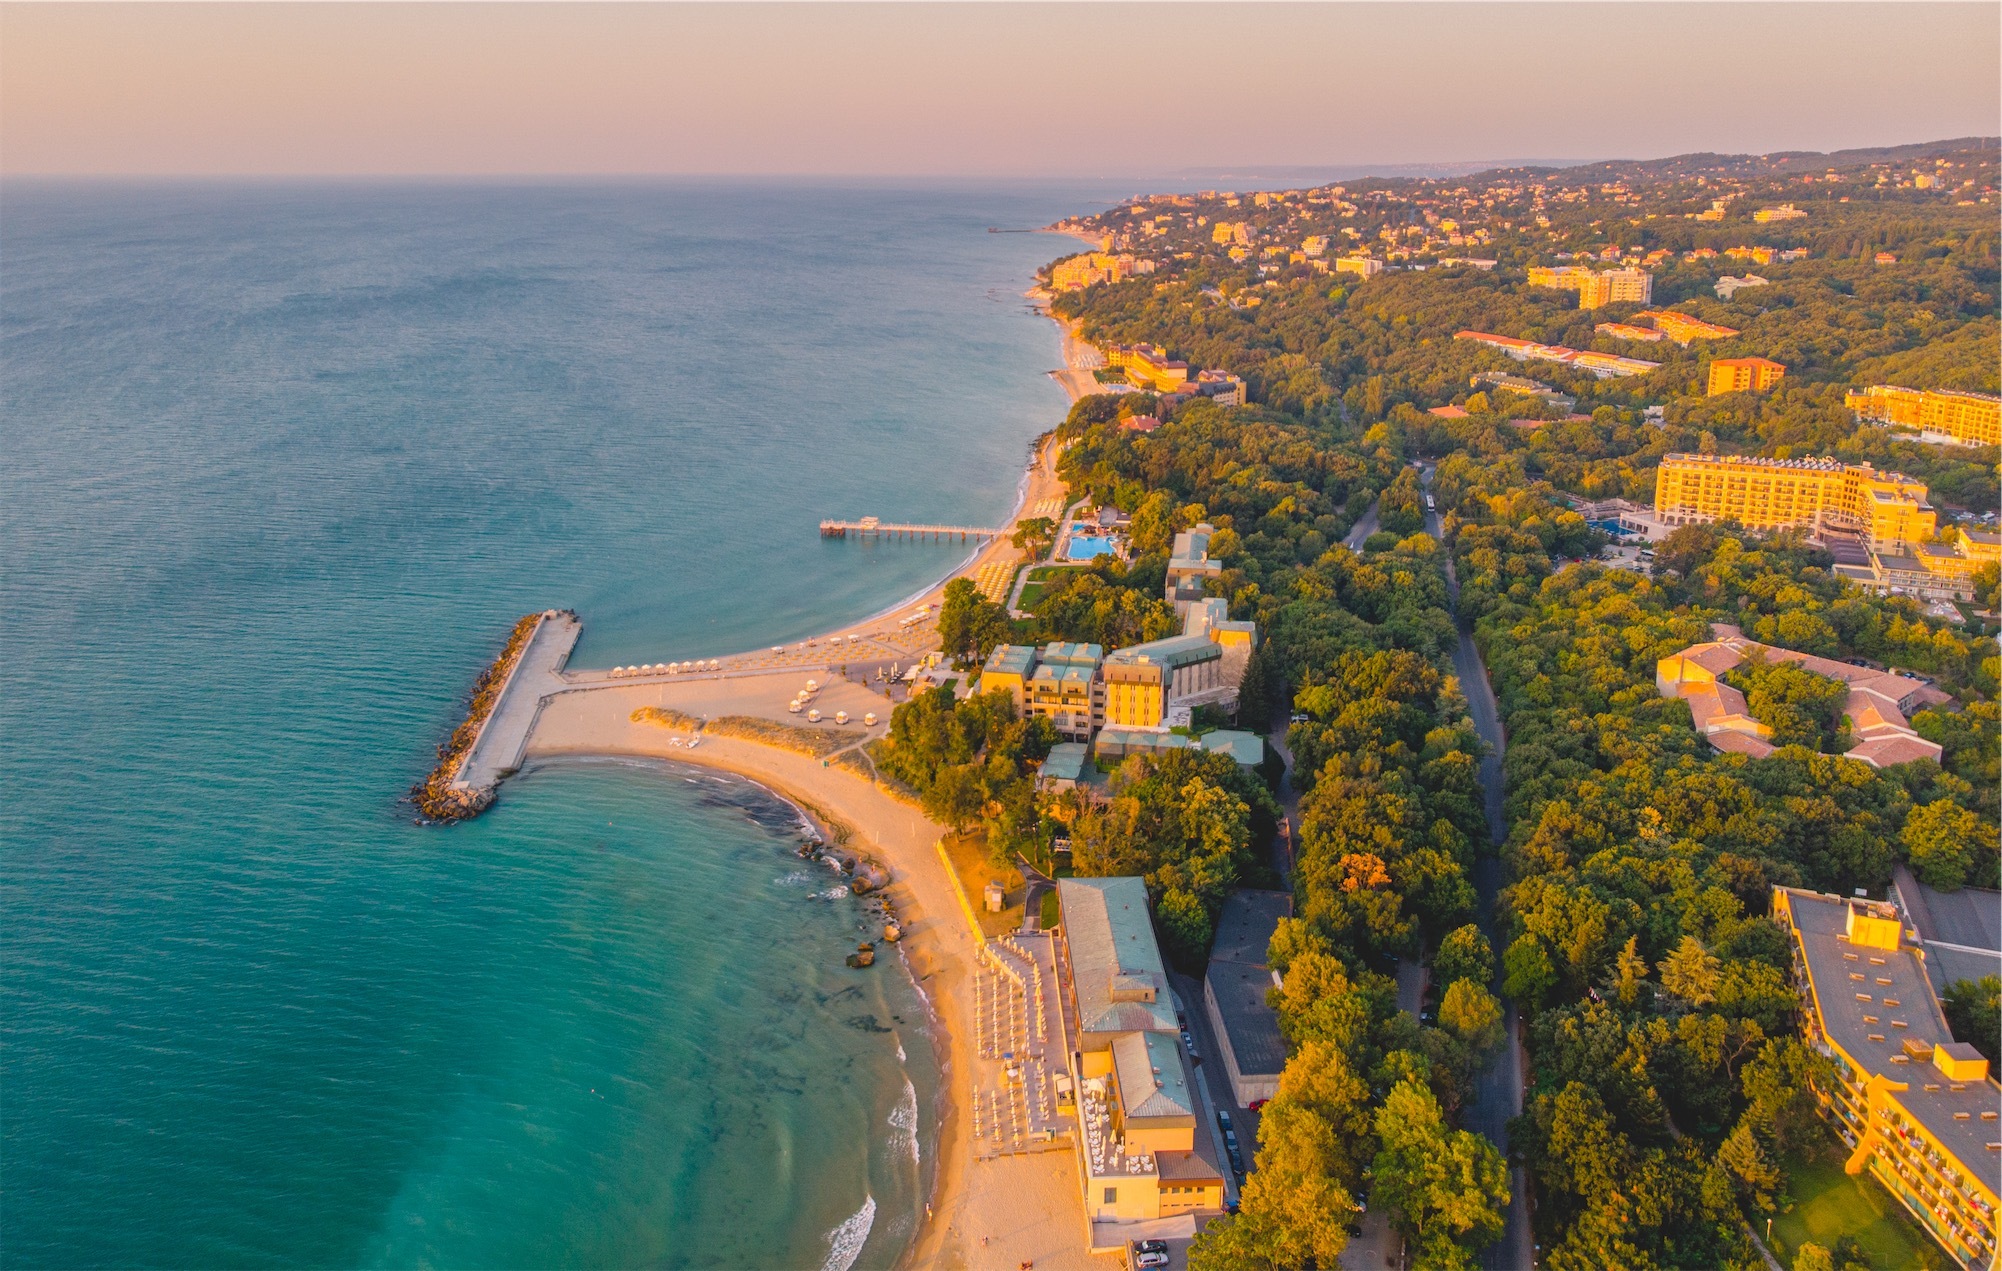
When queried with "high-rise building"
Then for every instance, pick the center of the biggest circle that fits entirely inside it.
(1744, 375)
(1888, 510)
(1972, 419)
(1916, 1108)
(1597, 289)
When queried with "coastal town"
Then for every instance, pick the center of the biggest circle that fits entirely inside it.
(1002, 637)
(1126, 826)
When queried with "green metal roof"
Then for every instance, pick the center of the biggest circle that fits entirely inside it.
(1066, 761)
(1011, 659)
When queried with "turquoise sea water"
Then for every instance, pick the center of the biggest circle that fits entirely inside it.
(282, 464)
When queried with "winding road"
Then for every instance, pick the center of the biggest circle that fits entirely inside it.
(1497, 1089)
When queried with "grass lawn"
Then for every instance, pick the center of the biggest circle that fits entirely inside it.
(968, 854)
(1039, 581)
(1052, 912)
(1829, 1205)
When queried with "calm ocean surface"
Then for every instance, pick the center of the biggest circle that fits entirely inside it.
(281, 465)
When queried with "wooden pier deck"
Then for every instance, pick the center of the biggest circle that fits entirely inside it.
(869, 525)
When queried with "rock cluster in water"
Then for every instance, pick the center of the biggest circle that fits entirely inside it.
(867, 880)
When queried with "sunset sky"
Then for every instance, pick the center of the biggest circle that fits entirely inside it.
(978, 90)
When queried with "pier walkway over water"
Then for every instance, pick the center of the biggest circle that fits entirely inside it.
(869, 525)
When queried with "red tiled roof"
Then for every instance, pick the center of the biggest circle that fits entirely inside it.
(1741, 743)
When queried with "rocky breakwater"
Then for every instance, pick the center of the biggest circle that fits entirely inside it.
(439, 796)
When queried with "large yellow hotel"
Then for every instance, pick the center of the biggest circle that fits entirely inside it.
(1888, 509)
(1917, 1109)
(1972, 419)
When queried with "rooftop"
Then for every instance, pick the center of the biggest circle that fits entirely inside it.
(1879, 1008)
(1070, 654)
(1247, 748)
(1238, 978)
(1149, 1068)
(1116, 968)
(1172, 652)
(1066, 761)
(1011, 659)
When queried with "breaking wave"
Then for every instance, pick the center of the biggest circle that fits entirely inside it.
(844, 1243)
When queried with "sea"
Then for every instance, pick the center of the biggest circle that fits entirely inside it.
(280, 464)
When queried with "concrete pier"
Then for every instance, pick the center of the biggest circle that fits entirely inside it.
(536, 674)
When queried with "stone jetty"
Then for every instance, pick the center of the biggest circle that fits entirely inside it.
(488, 744)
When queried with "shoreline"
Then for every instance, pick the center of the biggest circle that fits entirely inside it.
(936, 947)
(1003, 1211)
(979, 1213)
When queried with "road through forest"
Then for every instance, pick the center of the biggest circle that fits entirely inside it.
(1498, 1089)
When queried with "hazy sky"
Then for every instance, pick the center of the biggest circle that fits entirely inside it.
(978, 89)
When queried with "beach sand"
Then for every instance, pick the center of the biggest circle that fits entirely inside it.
(1002, 1213)
(1028, 1208)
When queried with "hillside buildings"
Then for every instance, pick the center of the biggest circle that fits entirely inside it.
(1942, 416)
(1092, 267)
(1360, 266)
(1916, 1108)
(1148, 366)
(1888, 511)
(1624, 331)
(1682, 328)
(1600, 365)
(1728, 286)
(1743, 375)
(1596, 289)
(1784, 212)
(1877, 707)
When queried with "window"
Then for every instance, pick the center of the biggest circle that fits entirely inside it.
(1112, 1195)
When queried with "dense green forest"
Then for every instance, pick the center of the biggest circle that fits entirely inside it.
(1669, 1092)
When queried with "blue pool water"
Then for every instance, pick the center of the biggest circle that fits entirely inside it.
(1083, 547)
(283, 464)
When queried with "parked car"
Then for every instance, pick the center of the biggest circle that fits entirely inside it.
(1151, 1246)
(1256, 1104)
(1223, 1121)
(1145, 1260)
(1230, 1206)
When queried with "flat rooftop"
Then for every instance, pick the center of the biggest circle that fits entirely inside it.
(1872, 1002)
(1238, 977)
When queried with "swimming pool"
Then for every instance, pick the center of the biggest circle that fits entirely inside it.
(1084, 547)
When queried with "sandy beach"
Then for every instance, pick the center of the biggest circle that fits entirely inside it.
(984, 1213)
(1002, 1213)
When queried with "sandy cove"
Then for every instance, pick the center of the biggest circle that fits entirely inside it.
(995, 1214)
(1003, 1213)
